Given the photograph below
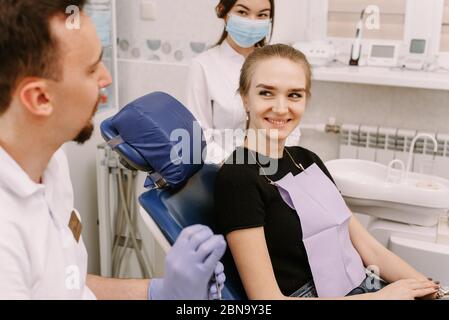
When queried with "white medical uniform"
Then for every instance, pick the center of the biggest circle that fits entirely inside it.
(39, 256)
(213, 99)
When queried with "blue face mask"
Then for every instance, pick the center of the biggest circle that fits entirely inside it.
(247, 32)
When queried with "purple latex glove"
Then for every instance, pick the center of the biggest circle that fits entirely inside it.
(217, 283)
(190, 265)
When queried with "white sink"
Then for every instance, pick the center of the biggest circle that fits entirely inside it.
(418, 200)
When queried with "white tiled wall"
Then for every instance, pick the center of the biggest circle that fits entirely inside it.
(445, 30)
(344, 15)
(138, 79)
(178, 25)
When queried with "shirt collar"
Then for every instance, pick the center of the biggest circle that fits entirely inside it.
(228, 51)
(14, 178)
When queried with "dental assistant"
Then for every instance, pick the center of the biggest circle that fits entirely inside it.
(50, 80)
(212, 85)
(288, 228)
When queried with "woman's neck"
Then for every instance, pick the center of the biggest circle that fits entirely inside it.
(268, 147)
(242, 51)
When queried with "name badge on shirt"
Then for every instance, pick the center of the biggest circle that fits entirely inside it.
(75, 226)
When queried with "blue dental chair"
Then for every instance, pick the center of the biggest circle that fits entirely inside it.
(181, 192)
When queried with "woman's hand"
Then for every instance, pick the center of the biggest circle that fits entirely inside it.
(432, 296)
(408, 289)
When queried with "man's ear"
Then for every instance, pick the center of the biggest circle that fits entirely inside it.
(34, 96)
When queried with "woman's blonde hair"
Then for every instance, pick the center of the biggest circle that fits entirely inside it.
(268, 52)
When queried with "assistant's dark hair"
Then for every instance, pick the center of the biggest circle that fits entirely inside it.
(27, 47)
(225, 6)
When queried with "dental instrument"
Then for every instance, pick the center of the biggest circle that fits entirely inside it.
(356, 51)
(217, 285)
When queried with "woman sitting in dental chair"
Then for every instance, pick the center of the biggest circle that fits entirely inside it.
(289, 231)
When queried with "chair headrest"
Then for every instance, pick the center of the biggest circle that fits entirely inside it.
(158, 135)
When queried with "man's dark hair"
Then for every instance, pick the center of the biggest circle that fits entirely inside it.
(27, 47)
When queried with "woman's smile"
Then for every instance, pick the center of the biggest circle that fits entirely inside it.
(277, 123)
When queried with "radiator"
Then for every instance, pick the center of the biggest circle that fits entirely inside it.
(383, 145)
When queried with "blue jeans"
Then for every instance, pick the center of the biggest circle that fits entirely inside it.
(306, 291)
(369, 285)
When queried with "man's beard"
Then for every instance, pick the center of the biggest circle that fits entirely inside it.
(86, 133)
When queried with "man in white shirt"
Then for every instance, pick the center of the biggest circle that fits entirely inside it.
(50, 79)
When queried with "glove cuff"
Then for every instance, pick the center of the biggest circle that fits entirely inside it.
(154, 289)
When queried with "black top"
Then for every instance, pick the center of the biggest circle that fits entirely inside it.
(245, 199)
